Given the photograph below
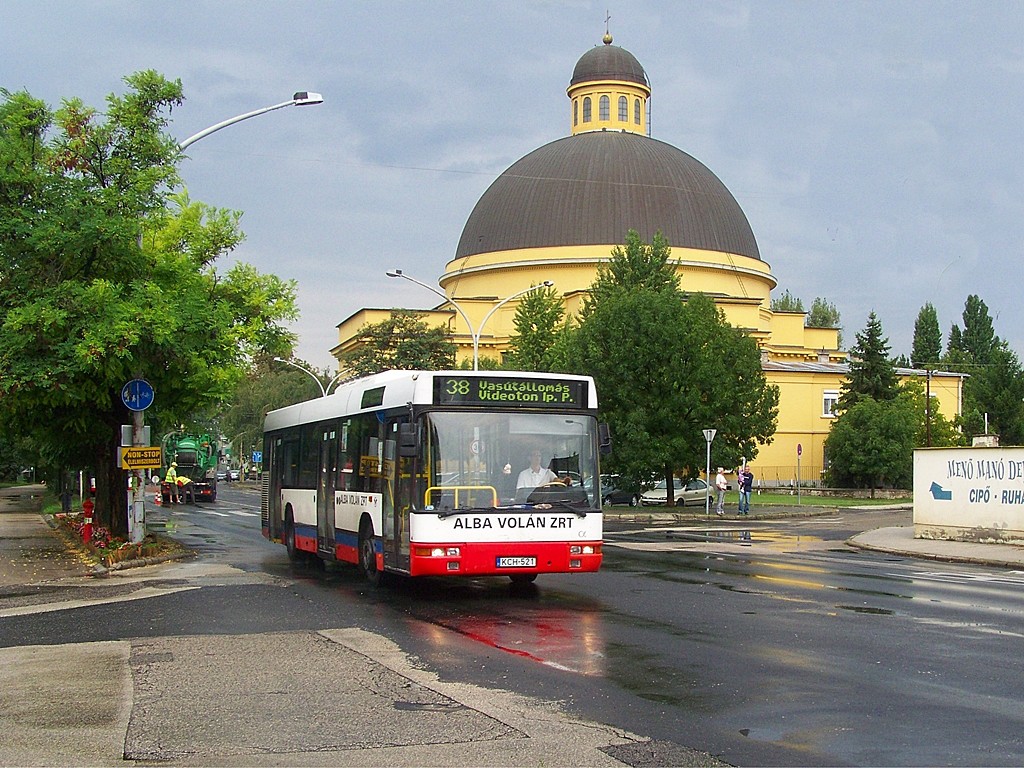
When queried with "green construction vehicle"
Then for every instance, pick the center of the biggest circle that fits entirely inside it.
(196, 458)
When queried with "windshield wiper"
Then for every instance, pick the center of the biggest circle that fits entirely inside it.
(449, 511)
(565, 505)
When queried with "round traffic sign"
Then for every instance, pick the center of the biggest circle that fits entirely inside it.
(137, 395)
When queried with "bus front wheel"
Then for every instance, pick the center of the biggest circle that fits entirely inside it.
(289, 538)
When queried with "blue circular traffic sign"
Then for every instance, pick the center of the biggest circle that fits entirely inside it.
(137, 395)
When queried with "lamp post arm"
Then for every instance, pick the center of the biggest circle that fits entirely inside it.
(231, 121)
(507, 299)
(495, 308)
(432, 289)
(304, 369)
(301, 98)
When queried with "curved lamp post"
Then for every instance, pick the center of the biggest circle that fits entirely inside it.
(300, 99)
(474, 333)
(324, 391)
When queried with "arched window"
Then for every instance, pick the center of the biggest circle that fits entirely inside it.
(636, 111)
(623, 109)
(586, 109)
(606, 107)
(575, 111)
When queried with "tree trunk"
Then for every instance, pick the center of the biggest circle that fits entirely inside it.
(111, 501)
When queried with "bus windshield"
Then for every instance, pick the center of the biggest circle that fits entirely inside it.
(475, 459)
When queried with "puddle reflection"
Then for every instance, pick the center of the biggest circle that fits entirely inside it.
(569, 640)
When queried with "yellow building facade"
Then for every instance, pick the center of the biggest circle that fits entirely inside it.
(556, 215)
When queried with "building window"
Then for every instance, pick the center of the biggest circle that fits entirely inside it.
(586, 109)
(606, 107)
(575, 111)
(623, 109)
(829, 401)
(636, 111)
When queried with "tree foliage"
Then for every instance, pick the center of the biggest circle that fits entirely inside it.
(927, 349)
(871, 373)
(107, 274)
(401, 342)
(787, 302)
(872, 444)
(994, 388)
(538, 322)
(668, 366)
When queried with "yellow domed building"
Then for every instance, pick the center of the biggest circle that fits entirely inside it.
(556, 215)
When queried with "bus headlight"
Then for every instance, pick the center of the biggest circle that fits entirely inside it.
(581, 549)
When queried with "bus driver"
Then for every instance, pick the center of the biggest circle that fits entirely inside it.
(535, 475)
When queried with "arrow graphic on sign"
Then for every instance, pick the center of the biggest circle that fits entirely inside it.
(939, 493)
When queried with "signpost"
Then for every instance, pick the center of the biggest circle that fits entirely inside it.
(799, 452)
(709, 435)
(137, 395)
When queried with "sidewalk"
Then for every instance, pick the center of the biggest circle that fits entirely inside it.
(31, 551)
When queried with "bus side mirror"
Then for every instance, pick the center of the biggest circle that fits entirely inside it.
(408, 440)
(604, 438)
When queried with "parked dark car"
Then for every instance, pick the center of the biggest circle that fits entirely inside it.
(612, 493)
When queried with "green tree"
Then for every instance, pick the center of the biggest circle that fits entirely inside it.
(106, 274)
(824, 314)
(787, 302)
(978, 341)
(538, 321)
(668, 366)
(401, 342)
(634, 267)
(994, 388)
(871, 373)
(927, 349)
(872, 444)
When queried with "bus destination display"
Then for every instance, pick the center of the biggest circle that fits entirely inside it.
(498, 391)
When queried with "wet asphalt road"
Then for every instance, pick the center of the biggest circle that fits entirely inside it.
(766, 644)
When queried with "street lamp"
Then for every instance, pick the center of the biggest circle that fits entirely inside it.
(299, 99)
(324, 391)
(304, 369)
(474, 333)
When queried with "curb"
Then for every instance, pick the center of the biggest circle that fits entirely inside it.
(102, 571)
(934, 556)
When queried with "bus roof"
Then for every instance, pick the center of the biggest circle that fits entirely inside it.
(396, 389)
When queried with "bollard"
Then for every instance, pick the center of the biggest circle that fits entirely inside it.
(87, 520)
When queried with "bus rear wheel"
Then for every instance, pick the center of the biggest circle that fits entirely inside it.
(367, 555)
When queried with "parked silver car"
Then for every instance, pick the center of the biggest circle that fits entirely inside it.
(687, 493)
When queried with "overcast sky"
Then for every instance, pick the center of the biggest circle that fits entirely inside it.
(874, 146)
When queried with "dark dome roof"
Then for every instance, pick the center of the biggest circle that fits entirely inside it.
(590, 189)
(608, 62)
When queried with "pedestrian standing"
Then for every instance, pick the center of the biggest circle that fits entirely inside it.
(721, 485)
(746, 482)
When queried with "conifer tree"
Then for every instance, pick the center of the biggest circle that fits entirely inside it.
(927, 349)
(871, 373)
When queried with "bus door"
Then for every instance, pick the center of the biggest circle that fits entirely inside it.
(325, 538)
(395, 503)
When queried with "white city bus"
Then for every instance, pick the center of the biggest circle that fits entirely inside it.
(422, 473)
